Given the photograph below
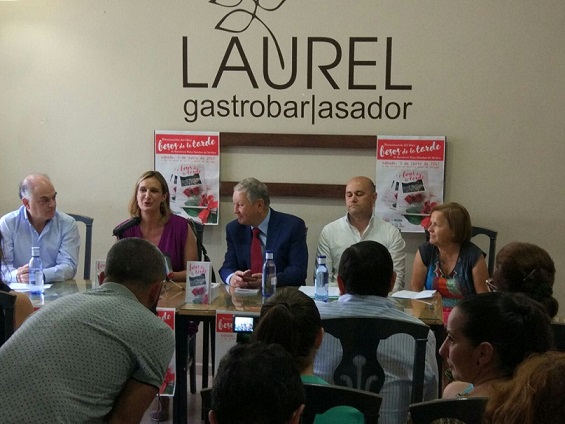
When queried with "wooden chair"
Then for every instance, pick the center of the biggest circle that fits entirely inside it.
(7, 308)
(467, 410)
(360, 337)
(87, 243)
(321, 397)
(491, 234)
(558, 336)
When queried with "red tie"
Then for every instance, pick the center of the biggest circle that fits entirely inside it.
(256, 252)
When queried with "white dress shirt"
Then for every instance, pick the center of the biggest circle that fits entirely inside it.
(340, 234)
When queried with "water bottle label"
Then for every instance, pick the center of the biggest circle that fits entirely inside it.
(270, 286)
(36, 281)
(321, 283)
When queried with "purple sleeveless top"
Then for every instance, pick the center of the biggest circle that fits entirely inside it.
(172, 240)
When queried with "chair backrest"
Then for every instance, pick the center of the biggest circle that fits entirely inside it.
(321, 397)
(491, 234)
(87, 243)
(558, 335)
(359, 367)
(467, 410)
(7, 306)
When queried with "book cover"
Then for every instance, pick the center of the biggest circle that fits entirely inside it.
(198, 282)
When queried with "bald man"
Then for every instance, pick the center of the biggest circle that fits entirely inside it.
(360, 224)
(38, 223)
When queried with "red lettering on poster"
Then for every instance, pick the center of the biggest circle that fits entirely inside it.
(193, 144)
(167, 315)
(224, 323)
(432, 150)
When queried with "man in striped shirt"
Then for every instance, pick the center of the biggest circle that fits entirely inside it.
(365, 278)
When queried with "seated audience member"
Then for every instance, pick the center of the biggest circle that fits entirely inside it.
(98, 356)
(290, 318)
(365, 278)
(38, 223)
(533, 396)
(359, 224)
(526, 268)
(257, 383)
(172, 234)
(488, 336)
(256, 229)
(449, 262)
(23, 307)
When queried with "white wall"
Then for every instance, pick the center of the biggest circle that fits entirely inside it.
(83, 85)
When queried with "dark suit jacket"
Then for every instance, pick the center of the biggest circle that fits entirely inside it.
(286, 237)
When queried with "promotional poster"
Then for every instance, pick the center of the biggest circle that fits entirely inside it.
(190, 162)
(410, 179)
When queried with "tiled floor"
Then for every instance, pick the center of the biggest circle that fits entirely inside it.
(194, 407)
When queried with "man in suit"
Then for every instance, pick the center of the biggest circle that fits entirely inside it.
(283, 234)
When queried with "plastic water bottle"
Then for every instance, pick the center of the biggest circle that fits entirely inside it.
(35, 272)
(269, 286)
(321, 280)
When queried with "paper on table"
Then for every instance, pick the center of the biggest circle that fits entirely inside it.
(407, 294)
(311, 291)
(23, 287)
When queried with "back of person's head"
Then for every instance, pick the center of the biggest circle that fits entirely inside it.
(515, 325)
(366, 268)
(135, 261)
(256, 383)
(527, 268)
(291, 319)
(254, 189)
(165, 206)
(533, 396)
(458, 219)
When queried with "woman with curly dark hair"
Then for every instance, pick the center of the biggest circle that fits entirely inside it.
(526, 268)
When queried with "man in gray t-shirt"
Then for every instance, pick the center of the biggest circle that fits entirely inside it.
(98, 356)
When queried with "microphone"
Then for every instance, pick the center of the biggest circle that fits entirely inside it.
(126, 225)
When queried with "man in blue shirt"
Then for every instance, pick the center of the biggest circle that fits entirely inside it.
(365, 277)
(38, 223)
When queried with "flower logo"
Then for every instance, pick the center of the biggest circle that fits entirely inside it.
(239, 19)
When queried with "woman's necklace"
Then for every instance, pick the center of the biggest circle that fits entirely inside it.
(443, 266)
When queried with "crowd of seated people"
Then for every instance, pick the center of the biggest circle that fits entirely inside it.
(488, 334)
